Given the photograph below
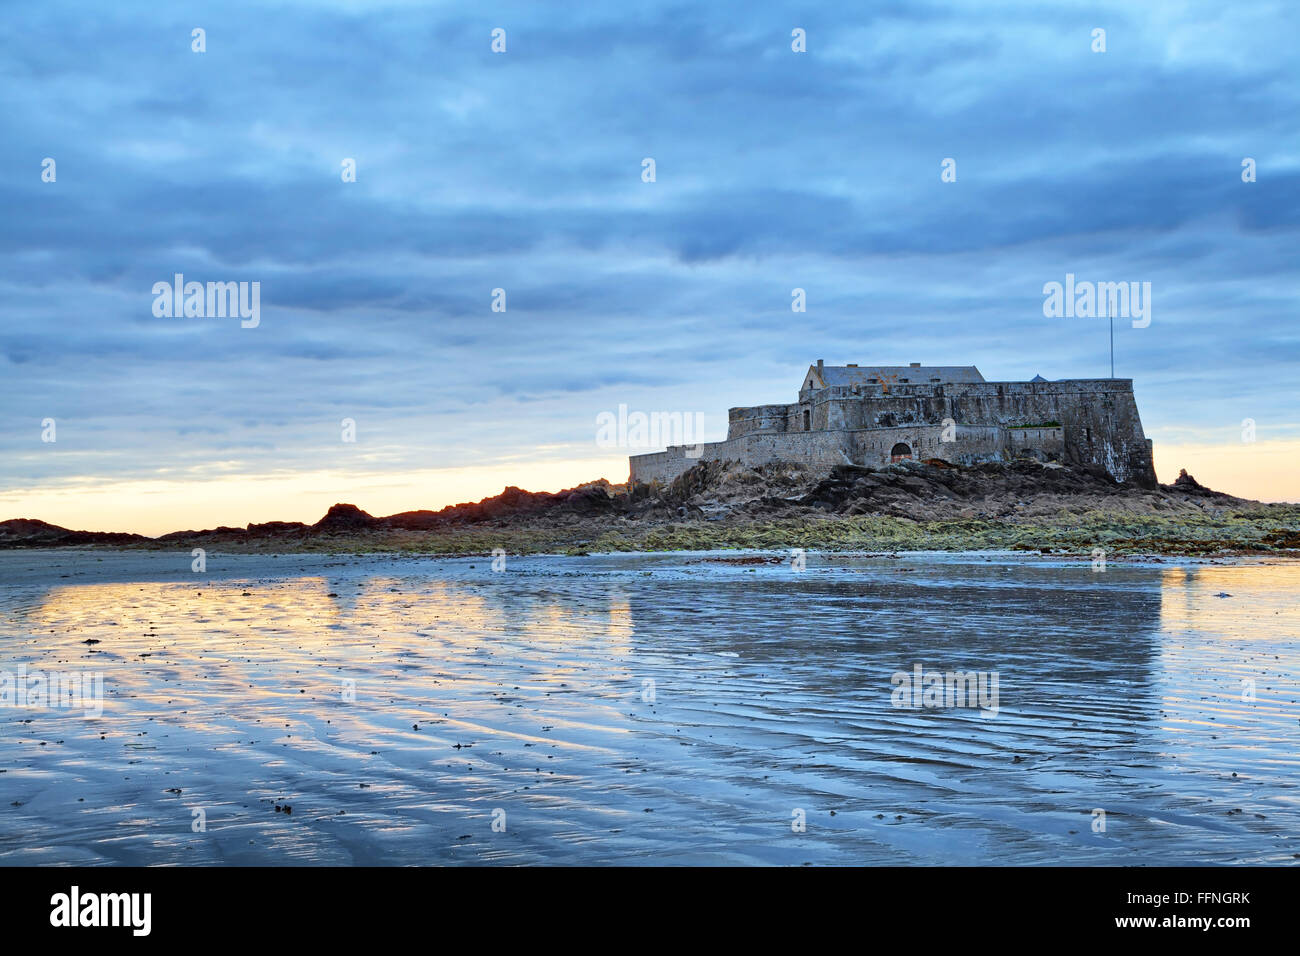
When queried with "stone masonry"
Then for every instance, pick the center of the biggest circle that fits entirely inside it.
(872, 415)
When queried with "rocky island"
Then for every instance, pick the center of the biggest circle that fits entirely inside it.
(1023, 505)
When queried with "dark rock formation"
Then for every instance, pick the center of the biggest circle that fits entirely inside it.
(712, 490)
(345, 518)
(31, 533)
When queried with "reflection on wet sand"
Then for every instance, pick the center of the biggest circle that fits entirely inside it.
(658, 709)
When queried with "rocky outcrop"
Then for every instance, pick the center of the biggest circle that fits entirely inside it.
(345, 518)
(1023, 490)
(32, 533)
(930, 490)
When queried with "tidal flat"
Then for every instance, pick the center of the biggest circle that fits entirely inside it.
(667, 708)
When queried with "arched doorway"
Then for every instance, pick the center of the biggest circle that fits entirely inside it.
(899, 452)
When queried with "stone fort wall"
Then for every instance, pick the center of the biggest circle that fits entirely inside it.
(1097, 424)
(967, 444)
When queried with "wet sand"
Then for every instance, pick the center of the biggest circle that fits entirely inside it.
(525, 691)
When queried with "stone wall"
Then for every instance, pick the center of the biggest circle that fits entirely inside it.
(970, 444)
(815, 449)
(1098, 417)
(1079, 421)
(1046, 444)
(760, 418)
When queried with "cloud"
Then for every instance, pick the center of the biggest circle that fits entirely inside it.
(522, 171)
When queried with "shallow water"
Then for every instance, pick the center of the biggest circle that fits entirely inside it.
(771, 696)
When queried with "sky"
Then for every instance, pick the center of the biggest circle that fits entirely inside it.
(523, 171)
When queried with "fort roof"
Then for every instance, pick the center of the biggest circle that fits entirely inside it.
(825, 376)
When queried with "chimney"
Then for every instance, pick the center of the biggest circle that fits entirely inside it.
(852, 365)
(820, 365)
(916, 365)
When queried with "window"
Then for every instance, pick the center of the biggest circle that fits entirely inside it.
(807, 420)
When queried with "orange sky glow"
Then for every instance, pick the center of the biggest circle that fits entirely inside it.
(1264, 470)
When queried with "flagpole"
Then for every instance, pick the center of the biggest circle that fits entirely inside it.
(1112, 345)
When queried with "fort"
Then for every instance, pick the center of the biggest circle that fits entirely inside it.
(875, 415)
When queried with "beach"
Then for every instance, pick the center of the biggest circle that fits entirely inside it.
(675, 708)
